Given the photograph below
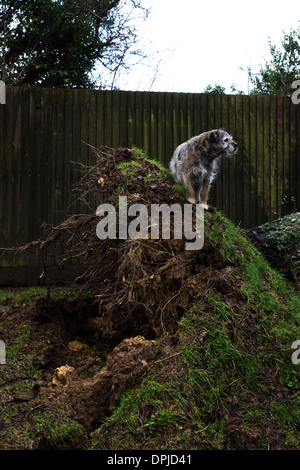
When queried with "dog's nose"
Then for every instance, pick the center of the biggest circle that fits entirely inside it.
(235, 145)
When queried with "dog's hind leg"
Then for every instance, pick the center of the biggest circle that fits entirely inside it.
(197, 190)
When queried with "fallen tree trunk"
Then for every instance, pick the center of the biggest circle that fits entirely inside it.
(279, 243)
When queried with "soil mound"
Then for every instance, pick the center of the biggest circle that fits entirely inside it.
(142, 286)
(199, 340)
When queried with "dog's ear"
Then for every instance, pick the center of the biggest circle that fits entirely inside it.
(212, 136)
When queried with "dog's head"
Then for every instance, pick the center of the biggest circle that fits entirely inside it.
(222, 142)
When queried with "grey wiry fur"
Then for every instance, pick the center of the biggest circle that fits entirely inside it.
(195, 162)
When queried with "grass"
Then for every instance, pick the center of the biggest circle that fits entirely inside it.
(162, 171)
(23, 295)
(130, 170)
(158, 419)
(56, 427)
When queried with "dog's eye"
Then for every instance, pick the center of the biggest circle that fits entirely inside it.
(226, 140)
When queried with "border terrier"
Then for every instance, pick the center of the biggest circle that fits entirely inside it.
(195, 162)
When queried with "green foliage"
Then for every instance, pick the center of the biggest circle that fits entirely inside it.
(220, 90)
(277, 75)
(58, 43)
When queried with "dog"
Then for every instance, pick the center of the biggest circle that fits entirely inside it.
(194, 163)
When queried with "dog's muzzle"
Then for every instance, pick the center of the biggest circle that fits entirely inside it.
(235, 146)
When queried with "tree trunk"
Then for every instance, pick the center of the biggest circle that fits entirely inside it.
(279, 243)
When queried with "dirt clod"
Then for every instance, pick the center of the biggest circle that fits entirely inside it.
(63, 375)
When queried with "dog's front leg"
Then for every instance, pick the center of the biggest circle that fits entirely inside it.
(205, 189)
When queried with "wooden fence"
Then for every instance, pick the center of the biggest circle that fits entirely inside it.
(43, 130)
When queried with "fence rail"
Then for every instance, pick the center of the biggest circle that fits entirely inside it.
(43, 130)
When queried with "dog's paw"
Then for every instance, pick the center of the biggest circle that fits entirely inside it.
(191, 200)
(205, 206)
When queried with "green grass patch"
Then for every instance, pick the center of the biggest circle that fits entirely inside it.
(22, 295)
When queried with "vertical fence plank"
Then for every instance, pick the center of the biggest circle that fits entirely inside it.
(183, 118)
(108, 118)
(253, 159)
(92, 119)
(280, 150)
(197, 114)
(147, 123)
(212, 124)
(100, 119)
(176, 120)
(204, 113)
(286, 150)
(233, 192)
(115, 118)
(169, 148)
(224, 201)
(138, 119)
(17, 214)
(297, 157)
(211, 111)
(266, 161)
(124, 137)
(274, 132)
(218, 111)
(244, 157)
(238, 136)
(190, 115)
(131, 126)
(154, 125)
(293, 157)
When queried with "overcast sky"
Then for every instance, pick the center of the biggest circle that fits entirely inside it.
(208, 42)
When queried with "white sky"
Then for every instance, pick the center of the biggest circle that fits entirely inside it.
(207, 42)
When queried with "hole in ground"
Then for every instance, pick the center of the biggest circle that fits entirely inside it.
(104, 361)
